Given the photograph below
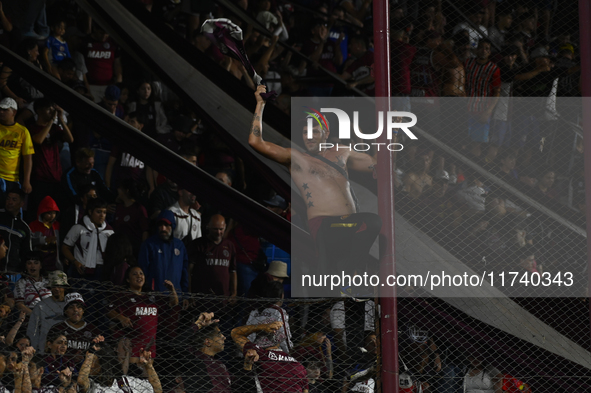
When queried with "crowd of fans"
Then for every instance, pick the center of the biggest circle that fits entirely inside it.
(108, 264)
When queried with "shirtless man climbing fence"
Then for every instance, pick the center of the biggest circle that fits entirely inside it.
(343, 235)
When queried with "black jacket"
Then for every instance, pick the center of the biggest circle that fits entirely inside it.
(17, 235)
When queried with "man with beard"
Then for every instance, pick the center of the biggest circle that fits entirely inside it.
(164, 257)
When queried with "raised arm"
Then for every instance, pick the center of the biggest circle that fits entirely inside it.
(83, 381)
(174, 299)
(148, 364)
(240, 334)
(255, 138)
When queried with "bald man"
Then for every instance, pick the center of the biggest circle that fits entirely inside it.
(212, 261)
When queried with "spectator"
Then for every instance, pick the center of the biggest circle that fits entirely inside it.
(119, 257)
(101, 357)
(74, 214)
(475, 15)
(16, 148)
(56, 361)
(163, 196)
(131, 217)
(310, 350)
(483, 87)
(138, 313)
(497, 32)
(147, 106)
(314, 370)
(526, 26)
(401, 55)
(182, 128)
(500, 125)
(481, 378)
(110, 101)
(103, 60)
(358, 70)
(213, 261)
(269, 311)
(277, 271)
(44, 232)
(5, 28)
(85, 243)
(122, 165)
(36, 369)
(225, 176)
(418, 180)
(78, 332)
(15, 87)
(164, 257)
(250, 258)
(57, 48)
(47, 132)
(33, 287)
(14, 230)
(206, 372)
(322, 53)
(188, 220)
(75, 39)
(82, 175)
(278, 372)
(49, 311)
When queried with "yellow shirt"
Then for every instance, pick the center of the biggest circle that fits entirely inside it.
(15, 141)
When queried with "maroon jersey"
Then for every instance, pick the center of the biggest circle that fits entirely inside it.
(361, 68)
(401, 56)
(424, 81)
(207, 374)
(100, 61)
(212, 265)
(481, 81)
(47, 165)
(326, 58)
(131, 220)
(79, 339)
(278, 372)
(126, 167)
(143, 310)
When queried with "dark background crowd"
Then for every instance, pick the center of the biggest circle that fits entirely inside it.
(100, 243)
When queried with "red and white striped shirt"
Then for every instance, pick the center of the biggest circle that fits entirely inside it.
(481, 81)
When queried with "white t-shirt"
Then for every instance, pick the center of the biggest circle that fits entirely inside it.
(364, 386)
(337, 317)
(270, 313)
(124, 384)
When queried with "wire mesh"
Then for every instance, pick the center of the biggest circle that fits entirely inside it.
(322, 344)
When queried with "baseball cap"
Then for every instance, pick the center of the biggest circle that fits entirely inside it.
(539, 52)
(8, 102)
(276, 201)
(57, 278)
(278, 269)
(74, 297)
(183, 124)
(164, 220)
(112, 93)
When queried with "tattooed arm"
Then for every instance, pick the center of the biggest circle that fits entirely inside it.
(255, 138)
(147, 363)
(83, 380)
(240, 334)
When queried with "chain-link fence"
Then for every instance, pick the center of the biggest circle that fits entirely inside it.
(196, 342)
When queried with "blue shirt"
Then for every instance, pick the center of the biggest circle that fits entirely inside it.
(58, 50)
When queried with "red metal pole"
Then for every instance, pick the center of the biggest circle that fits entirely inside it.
(585, 52)
(385, 172)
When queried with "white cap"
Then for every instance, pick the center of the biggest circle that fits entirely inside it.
(8, 103)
